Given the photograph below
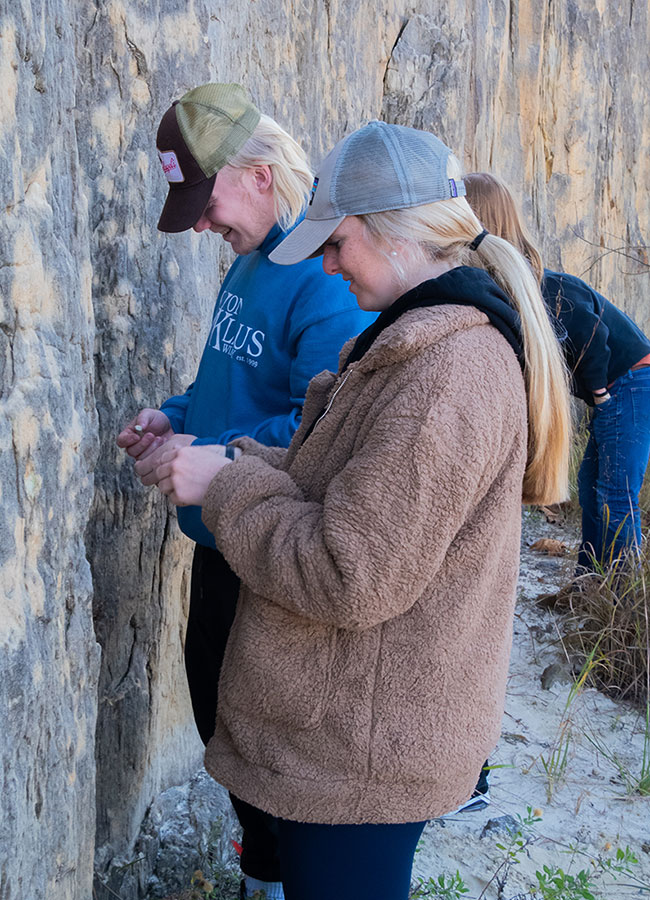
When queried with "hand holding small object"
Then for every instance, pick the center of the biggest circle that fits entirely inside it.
(147, 431)
(147, 463)
(184, 473)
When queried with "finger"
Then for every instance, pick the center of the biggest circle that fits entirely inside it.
(156, 474)
(144, 419)
(152, 444)
(168, 454)
(166, 486)
(150, 478)
(163, 471)
(126, 438)
(137, 451)
(144, 467)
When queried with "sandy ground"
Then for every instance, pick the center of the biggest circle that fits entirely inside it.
(589, 808)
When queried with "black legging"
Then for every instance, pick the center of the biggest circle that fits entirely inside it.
(347, 862)
(213, 600)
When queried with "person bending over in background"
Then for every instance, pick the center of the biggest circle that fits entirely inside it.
(237, 173)
(609, 359)
(364, 679)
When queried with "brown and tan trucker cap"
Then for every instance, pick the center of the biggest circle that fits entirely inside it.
(196, 137)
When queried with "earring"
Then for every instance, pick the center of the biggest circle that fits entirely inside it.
(393, 252)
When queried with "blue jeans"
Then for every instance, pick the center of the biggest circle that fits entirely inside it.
(612, 470)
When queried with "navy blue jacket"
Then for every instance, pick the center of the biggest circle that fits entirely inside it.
(600, 342)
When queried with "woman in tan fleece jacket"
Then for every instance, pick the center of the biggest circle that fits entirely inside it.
(364, 679)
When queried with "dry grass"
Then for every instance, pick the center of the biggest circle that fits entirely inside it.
(606, 614)
(607, 620)
(606, 632)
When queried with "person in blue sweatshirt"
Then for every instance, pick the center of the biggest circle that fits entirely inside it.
(235, 172)
(608, 357)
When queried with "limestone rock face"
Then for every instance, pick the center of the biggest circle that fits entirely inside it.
(101, 315)
(49, 658)
(185, 830)
(551, 100)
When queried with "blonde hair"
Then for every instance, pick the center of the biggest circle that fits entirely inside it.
(443, 230)
(270, 145)
(495, 207)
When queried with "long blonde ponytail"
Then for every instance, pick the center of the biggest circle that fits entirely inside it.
(444, 230)
(547, 383)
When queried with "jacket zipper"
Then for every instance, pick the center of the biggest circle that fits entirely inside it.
(331, 400)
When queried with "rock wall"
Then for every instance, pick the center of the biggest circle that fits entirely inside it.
(101, 314)
(551, 98)
(49, 658)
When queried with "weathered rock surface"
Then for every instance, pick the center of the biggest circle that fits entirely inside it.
(548, 97)
(100, 315)
(187, 828)
(49, 658)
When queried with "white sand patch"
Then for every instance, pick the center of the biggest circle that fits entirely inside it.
(589, 807)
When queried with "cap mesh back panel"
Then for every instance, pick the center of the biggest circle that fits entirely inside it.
(389, 168)
(216, 121)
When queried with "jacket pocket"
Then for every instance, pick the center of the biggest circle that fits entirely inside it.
(277, 666)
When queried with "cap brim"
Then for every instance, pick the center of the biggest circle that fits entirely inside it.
(184, 205)
(304, 241)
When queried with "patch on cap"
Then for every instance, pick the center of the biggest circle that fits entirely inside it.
(313, 191)
(171, 168)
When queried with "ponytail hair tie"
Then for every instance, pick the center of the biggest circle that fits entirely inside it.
(477, 240)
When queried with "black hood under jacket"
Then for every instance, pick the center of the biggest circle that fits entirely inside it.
(462, 286)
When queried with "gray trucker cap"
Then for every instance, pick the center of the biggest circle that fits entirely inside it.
(377, 168)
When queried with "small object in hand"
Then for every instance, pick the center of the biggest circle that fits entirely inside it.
(137, 428)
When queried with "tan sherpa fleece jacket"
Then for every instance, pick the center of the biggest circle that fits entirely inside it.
(365, 673)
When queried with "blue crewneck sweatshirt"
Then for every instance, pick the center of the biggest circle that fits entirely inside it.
(273, 328)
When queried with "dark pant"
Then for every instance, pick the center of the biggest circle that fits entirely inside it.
(347, 862)
(213, 601)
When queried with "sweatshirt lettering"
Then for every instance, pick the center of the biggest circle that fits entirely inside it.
(227, 335)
